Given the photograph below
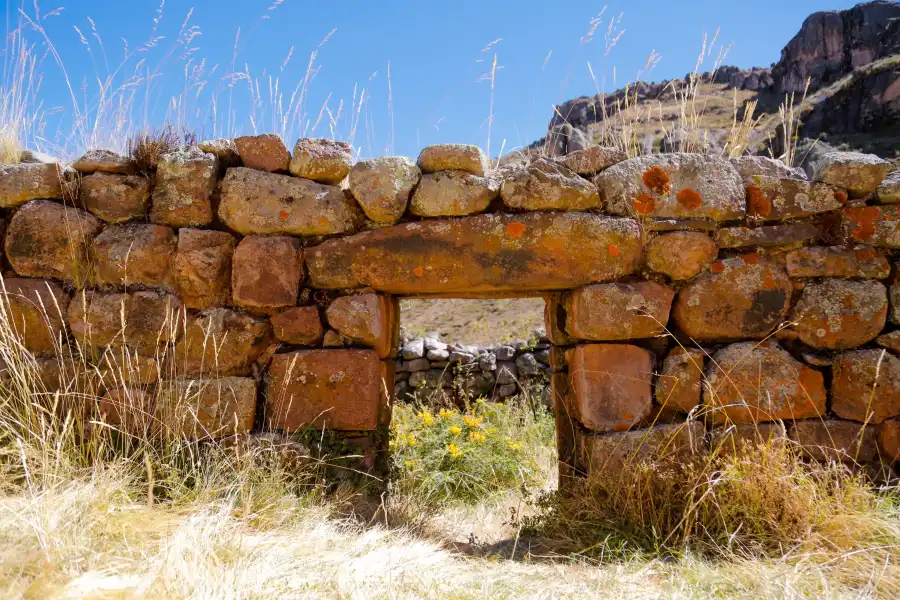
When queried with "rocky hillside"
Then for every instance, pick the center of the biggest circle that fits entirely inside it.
(850, 60)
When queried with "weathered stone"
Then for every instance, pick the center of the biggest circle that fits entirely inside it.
(507, 372)
(507, 390)
(455, 157)
(301, 325)
(610, 385)
(36, 156)
(768, 236)
(133, 254)
(680, 382)
(838, 313)
(752, 382)
(483, 253)
(819, 261)
(740, 297)
(505, 352)
(679, 225)
(127, 409)
(618, 311)
(36, 311)
(265, 152)
(321, 160)
(254, 202)
(774, 199)
(224, 149)
(333, 389)
(615, 453)
(452, 193)
(593, 160)
(368, 319)
(22, 182)
(460, 358)
(332, 339)
(438, 355)
(221, 342)
(891, 341)
(547, 185)
(834, 440)
(527, 365)
(121, 366)
(487, 362)
(47, 239)
(201, 270)
(138, 320)
(477, 386)
(749, 167)
(742, 439)
(104, 161)
(860, 174)
(674, 186)
(116, 198)
(414, 349)
(894, 297)
(681, 254)
(382, 186)
(889, 190)
(206, 408)
(865, 386)
(185, 181)
(888, 435)
(875, 225)
(266, 273)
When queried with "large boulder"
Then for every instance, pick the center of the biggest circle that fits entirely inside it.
(116, 198)
(673, 186)
(139, 320)
(47, 239)
(382, 186)
(482, 253)
(185, 181)
(754, 381)
(838, 314)
(343, 390)
(266, 273)
(201, 271)
(36, 311)
(452, 194)
(254, 202)
(454, 157)
(548, 185)
(133, 254)
(865, 386)
(321, 160)
(740, 297)
(618, 311)
(369, 319)
(265, 152)
(221, 342)
(23, 182)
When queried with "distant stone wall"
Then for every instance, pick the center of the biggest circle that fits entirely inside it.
(240, 288)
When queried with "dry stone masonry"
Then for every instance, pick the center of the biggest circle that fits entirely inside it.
(692, 302)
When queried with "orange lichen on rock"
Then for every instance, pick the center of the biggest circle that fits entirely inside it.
(758, 204)
(863, 221)
(516, 229)
(689, 199)
(644, 204)
(657, 180)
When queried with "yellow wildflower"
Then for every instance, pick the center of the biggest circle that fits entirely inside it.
(490, 430)
(411, 439)
(427, 419)
(513, 445)
(472, 421)
(476, 436)
(445, 414)
(479, 401)
(454, 451)
(454, 430)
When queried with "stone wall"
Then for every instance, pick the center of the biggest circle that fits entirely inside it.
(257, 289)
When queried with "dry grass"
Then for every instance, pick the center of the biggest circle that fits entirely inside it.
(146, 148)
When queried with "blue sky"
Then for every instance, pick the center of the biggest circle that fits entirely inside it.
(432, 48)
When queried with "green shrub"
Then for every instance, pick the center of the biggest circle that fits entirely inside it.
(453, 456)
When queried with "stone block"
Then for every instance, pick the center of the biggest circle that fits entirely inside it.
(22, 182)
(548, 185)
(254, 202)
(833, 440)
(452, 193)
(873, 225)
(36, 311)
(865, 386)
(593, 160)
(182, 194)
(128, 410)
(368, 319)
(201, 270)
(778, 199)
(454, 157)
(221, 342)
(858, 173)
(343, 390)
(265, 152)
(120, 366)
(47, 239)
(116, 198)
(681, 254)
(888, 435)
(104, 161)
(321, 160)
(742, 439)
(839, 313)
(740, 297)
(818, 261)
(610, 385)
(301, 325)
(383, 185)
(749, 167)
(618, 311)
(196, 409)
(674, 186)
(138, 320)
(755, 382)
(610, 455)
(266, 273)
(224, 149)
(414, 349)
(769, 236)
(680, 383)
(480, 254)
(889, 189)
(134, 254)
